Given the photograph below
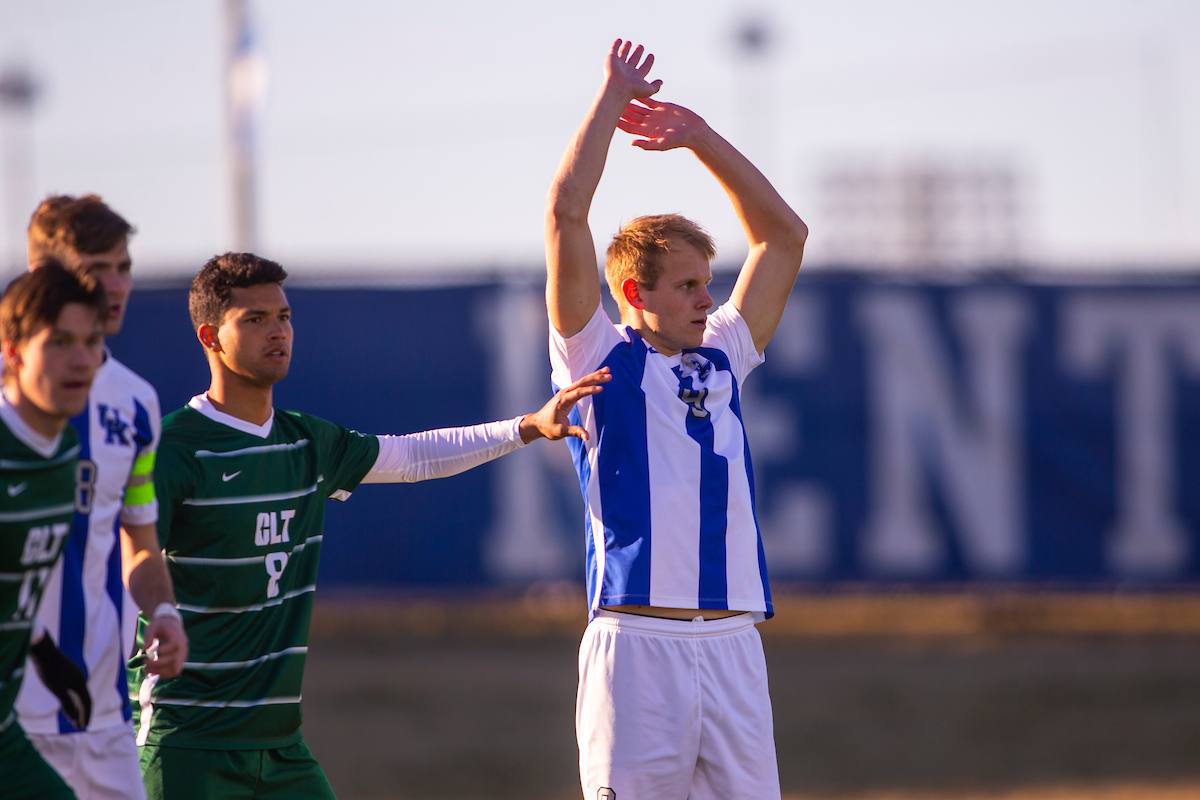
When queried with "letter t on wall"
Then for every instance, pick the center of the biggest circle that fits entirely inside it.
(1136, 335)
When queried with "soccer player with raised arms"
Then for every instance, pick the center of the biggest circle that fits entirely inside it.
(242, 490)
(52, 336)
(673, 700)
(87, 609)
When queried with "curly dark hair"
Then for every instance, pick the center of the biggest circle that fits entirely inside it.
(209, 297)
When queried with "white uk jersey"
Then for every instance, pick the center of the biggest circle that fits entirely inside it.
(666, 473)
(86, 607)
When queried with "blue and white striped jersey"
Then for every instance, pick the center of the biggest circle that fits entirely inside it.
(86, 607)
(666, 473)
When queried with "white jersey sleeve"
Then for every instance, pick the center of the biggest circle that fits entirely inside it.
(727, 331)
(572, 358)
(443, 452)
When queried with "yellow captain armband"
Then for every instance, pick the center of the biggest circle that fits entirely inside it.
(140, 490)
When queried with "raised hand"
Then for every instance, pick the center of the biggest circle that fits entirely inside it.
(662, 126)
(552, 420)
(622, 70)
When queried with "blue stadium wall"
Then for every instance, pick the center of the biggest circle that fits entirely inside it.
(902, 430)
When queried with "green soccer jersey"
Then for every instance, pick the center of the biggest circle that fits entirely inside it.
(240, 519)
(37, 504)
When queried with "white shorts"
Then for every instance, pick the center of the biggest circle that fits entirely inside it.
(674, 710)
(97, 765)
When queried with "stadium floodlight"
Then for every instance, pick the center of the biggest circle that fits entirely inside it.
(753, 38)
(18, 90)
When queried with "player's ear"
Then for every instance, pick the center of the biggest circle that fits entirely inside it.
(207, 334)
(632, 293)
(12, 355)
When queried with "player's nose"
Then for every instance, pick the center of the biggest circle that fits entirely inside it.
(85, 358)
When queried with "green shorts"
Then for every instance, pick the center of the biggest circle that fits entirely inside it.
(23, 771)
(179, 773)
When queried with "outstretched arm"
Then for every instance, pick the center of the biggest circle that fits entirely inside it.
(572, 284)
(775, 233)
(449, 451)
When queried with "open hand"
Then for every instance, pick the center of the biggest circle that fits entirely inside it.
(662, 126)
(552, 420)
(168, 646)
(621, 68)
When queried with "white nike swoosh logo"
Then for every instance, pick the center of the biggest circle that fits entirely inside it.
(228, 478)
(15, 489)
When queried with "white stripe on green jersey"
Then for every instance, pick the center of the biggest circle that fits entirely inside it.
(37, 503)
(250, 663)
(241, 511)
(217, 562)
(312, 587)
(36, 513)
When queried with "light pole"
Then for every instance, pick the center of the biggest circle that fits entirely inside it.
(755, 91)
(245, 87)
(18, 92)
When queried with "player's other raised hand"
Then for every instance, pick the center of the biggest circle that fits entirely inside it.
(624, 68)
(552, 420)
(661, 126)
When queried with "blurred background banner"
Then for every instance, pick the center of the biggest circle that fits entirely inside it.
(904, 429)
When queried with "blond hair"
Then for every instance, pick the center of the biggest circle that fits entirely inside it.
(635, 252)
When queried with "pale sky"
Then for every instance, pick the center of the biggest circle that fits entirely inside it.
(403, 136)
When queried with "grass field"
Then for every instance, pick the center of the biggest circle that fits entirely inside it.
(427, 701)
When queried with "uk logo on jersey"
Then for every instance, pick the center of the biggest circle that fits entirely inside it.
(693, 366)
(695, 399)
(694, 363)
(114, 427)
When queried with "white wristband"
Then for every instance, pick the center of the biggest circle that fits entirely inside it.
(167, 610)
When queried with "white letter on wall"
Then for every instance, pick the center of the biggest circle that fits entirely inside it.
(798, 532)
(524, 543)
(968, 439)
(1136, 335)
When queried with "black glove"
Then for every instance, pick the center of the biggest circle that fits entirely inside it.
(65, 679)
